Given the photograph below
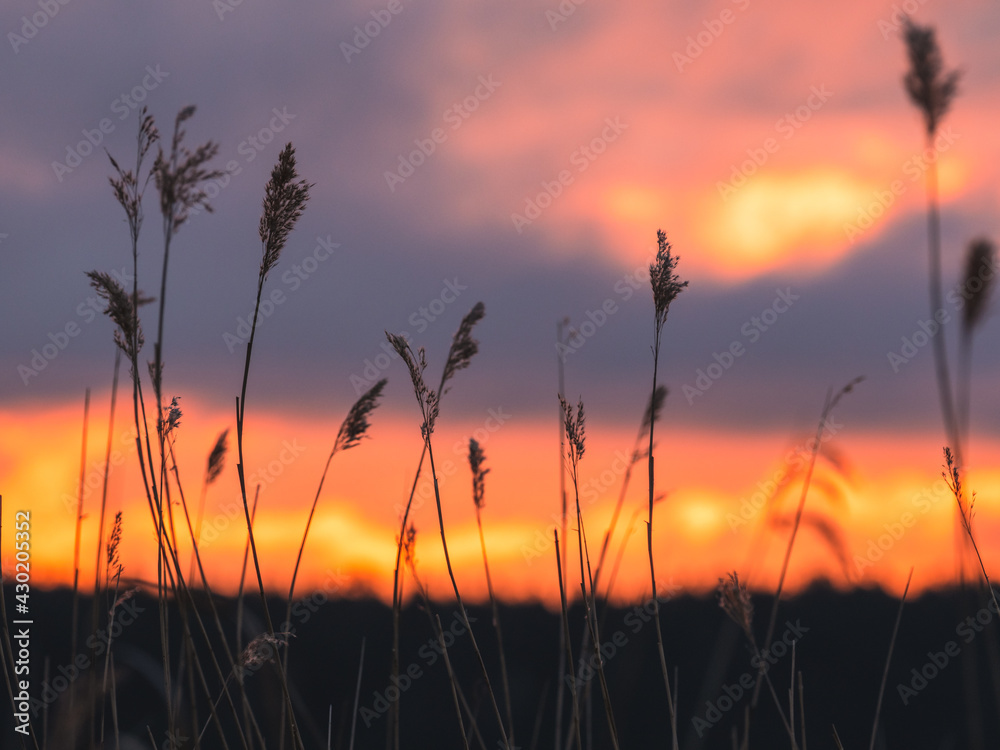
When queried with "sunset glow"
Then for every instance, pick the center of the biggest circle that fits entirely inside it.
(888, 504)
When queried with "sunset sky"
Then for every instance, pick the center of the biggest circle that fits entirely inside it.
(523, 155)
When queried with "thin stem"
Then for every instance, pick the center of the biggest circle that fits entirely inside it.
(964, 384)
(357, 699)
(652, 571)
(76, 539)
(587, 578)
(296, 738)
(392, 738)
(496, 625)
(560, 688)
(569, 648)
(458, 595)
(940, 350)
(104, 487)
(888, 660)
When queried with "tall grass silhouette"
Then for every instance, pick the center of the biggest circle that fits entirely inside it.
(205, 696)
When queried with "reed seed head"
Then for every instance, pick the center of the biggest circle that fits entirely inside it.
(121, 310)
(410, 546)
(575, 429)
(217, 458)
(843, 392)
(122, 598)
(929, 87)
(463, 346)
(736, 603)
(980, 273)
(953, 478)
(171, 417)
(476, 460)
(181, 175)
(285, 198)
(356, 424)
(126, 186)
(653, 408)
(416, 363)
(665, 282)
(262, 649)
(114, 541)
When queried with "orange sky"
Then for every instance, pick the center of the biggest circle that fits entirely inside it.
(700, 533)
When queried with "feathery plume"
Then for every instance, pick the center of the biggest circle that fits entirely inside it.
(262, 649)
(113, 541)
(128, 333)
(180, 176)
(954, 480)
(735, 602)
(980, 272)
(574, 427)
(666, 284)
(930, 88)
(653, 409)
(284, 200)
(172, 416)
(217, 458)
(122, 598)
(410, 546)
(476, 460)
(463, 346)
(416, 363)
(125, 186)
(356, 424)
